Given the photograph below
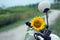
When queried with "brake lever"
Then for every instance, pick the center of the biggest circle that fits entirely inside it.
(28, 24)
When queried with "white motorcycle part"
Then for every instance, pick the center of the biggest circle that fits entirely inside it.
(53, 36)
(43, 5)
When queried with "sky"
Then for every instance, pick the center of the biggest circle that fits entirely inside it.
(9, 3)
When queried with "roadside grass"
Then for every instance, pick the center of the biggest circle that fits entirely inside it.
(13, 25)
(26, 13)
(21, 9)
(56, 26)
(10, 26)
(55, 6)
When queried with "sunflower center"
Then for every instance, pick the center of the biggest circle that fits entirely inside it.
(37, 24)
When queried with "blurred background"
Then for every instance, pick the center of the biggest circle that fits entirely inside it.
(14, 13)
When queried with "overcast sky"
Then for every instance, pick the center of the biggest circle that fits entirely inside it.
(8, 3)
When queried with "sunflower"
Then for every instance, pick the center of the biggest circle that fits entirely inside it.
(38, 23)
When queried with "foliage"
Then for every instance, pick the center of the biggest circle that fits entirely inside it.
(56, 1)
(12, 15)
(6, 19)
(55, 6)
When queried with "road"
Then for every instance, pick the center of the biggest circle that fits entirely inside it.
(18, 33)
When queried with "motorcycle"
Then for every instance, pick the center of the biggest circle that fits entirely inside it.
(46, 33)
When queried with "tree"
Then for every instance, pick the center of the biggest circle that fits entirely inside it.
(57, 1)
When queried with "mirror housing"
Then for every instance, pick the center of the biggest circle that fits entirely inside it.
(44, 6)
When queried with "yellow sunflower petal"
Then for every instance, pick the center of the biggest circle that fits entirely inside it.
(38, 23)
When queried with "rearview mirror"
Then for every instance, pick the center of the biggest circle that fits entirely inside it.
(44, 6)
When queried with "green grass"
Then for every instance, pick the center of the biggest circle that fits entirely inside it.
(21, 9)
(10, 26)
(55, 6)
(26, 13)
(56, 26)
(13, 25)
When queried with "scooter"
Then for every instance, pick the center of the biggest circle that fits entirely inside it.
(45, 34)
